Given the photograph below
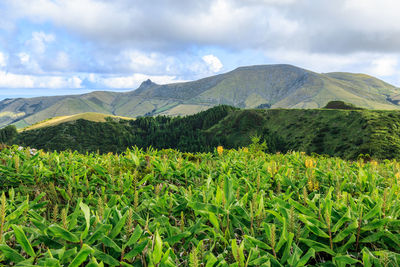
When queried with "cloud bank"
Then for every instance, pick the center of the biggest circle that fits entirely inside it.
(120, 42)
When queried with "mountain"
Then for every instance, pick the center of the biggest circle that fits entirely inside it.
(345, 133)
(263, 86)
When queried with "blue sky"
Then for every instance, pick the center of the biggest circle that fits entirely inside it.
(52, 47)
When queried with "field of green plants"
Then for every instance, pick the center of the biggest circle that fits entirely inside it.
(226, 208)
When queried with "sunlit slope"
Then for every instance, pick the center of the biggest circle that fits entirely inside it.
(90, 116)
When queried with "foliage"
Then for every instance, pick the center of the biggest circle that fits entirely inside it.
(8, 134)
(167, 208)
(185, 134)
(342, 133)
(341, 105)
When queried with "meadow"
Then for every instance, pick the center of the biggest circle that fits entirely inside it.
(239, 207)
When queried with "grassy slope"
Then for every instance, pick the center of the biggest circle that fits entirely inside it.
(344, 133)
(90, 116)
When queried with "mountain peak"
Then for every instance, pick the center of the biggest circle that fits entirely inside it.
(147, 83)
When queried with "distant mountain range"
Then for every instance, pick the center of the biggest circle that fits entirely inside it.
(264, 86)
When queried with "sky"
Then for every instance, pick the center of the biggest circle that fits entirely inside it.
(53, 47)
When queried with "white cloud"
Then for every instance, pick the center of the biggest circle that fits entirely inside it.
(214, 64)
(136, 79)
(3, 60)
(30, 65)
(318, 62)
(39, 41)
(319, 26)
(384, 66)
(374, 15)
(141, 60)
(24, 58)
(11, 80)
(381, 65)
(92, 78)
(62, 61)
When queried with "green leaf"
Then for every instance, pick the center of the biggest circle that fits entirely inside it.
(295, 255)
(81, 256)
(94, 263)
(86, 212)
(373, 212)
(346, 246)
(138, 249)
(118, 227)
(134, 237)
(235, 250)
(228, 190)
(11, 254)
(303, 261)
(316, 230)
(376, 224)
(367, 257)
(23, 241)
(73, 218)
(157, 253)
(372, 238)
(301, 208)
(17, 213)
(317, 246)
(64, 234)
(100, 231)
(344, 260)
(277, 215)
(392, 237)
(257, 242)
(108, 242)
(214, 220)
(343, 234)
(107, 259)
(286, 252)
(211, 260)
(52, 263)
(345, 218)
(176, 238)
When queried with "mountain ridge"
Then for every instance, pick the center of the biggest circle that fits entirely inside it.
(258, 86)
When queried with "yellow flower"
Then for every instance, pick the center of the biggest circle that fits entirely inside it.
(310, 163)
(310, 185)
(245, 149)
(220, 150)
(316, 185)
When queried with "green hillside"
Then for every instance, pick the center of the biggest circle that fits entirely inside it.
(89, 116)
(334, 132)
(263, 86)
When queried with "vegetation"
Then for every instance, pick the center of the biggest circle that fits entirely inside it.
(8, 134)
(341, 105)
(225, 208)
(185, 134)
(335, 132)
